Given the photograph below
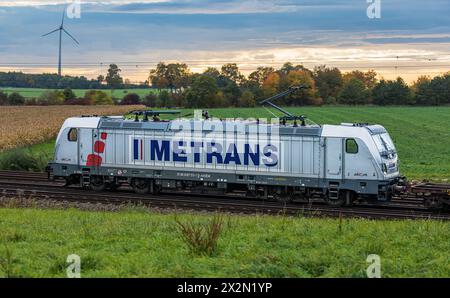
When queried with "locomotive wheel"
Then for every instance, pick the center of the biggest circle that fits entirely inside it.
(97, 183)
(157, 189)
(141, 186)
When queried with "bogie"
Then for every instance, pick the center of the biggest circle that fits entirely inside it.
(141, 185)
(97, 183)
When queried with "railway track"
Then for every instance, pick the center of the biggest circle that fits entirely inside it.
(34, 186)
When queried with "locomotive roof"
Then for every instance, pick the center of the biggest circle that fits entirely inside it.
(343, 130)
(119, 123)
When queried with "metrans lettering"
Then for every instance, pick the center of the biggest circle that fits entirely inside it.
(214, 152)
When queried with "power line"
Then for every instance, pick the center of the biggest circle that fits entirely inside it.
(206, 62)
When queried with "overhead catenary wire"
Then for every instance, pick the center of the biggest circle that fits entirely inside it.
(140, 69)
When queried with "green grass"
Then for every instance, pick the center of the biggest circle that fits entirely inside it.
(36, 92)
(141, 244)
(421, 134)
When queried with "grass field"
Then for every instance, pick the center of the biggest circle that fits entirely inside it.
(141, 244)
(36, 92)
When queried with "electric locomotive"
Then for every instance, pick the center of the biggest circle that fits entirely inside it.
(286, 160)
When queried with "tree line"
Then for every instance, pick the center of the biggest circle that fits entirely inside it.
(112, 80)
(227, 86)
(178, 86)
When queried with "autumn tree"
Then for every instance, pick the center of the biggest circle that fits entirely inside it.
(286, 68)
(369, 78)
(304, 96)
(100, 79)
(202, 93)
(271, 84)
(247, 99)
(173, 76)
(260, 75)
(231, 72)
(328, 81)
(113, 78)
(392, 92)
(212, 72)
(354, 92)
(434, 91)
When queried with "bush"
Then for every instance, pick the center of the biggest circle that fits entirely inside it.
(201, 238)
(131, 99)
(78, 102)
(3, 98)
(164, 99)
(69, 94)
(330, 100)
(220, 100)
(15, 99)
(178, 100)
(97, 97)
(23, 160)
(51, 97)
(150, 100)
(31, 102)
(247, 99)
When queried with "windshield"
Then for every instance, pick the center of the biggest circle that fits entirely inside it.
(384, 143)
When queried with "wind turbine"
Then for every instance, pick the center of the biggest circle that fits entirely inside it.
(61, 29)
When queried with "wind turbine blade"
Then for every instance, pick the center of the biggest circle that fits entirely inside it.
(50, 32)
(63, 15)
(70, 36)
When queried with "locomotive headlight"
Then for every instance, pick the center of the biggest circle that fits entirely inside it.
(384, 168)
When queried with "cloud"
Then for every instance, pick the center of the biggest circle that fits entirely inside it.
(211, 32)
(186, 6)
(22, 3)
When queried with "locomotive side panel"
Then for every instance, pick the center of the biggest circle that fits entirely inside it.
(297, 156)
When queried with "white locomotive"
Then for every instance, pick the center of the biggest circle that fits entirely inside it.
(280, 161)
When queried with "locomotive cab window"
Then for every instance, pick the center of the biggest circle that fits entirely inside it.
(73, 135)
(351, 146)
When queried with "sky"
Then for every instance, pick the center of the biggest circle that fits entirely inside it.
(410, 37)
